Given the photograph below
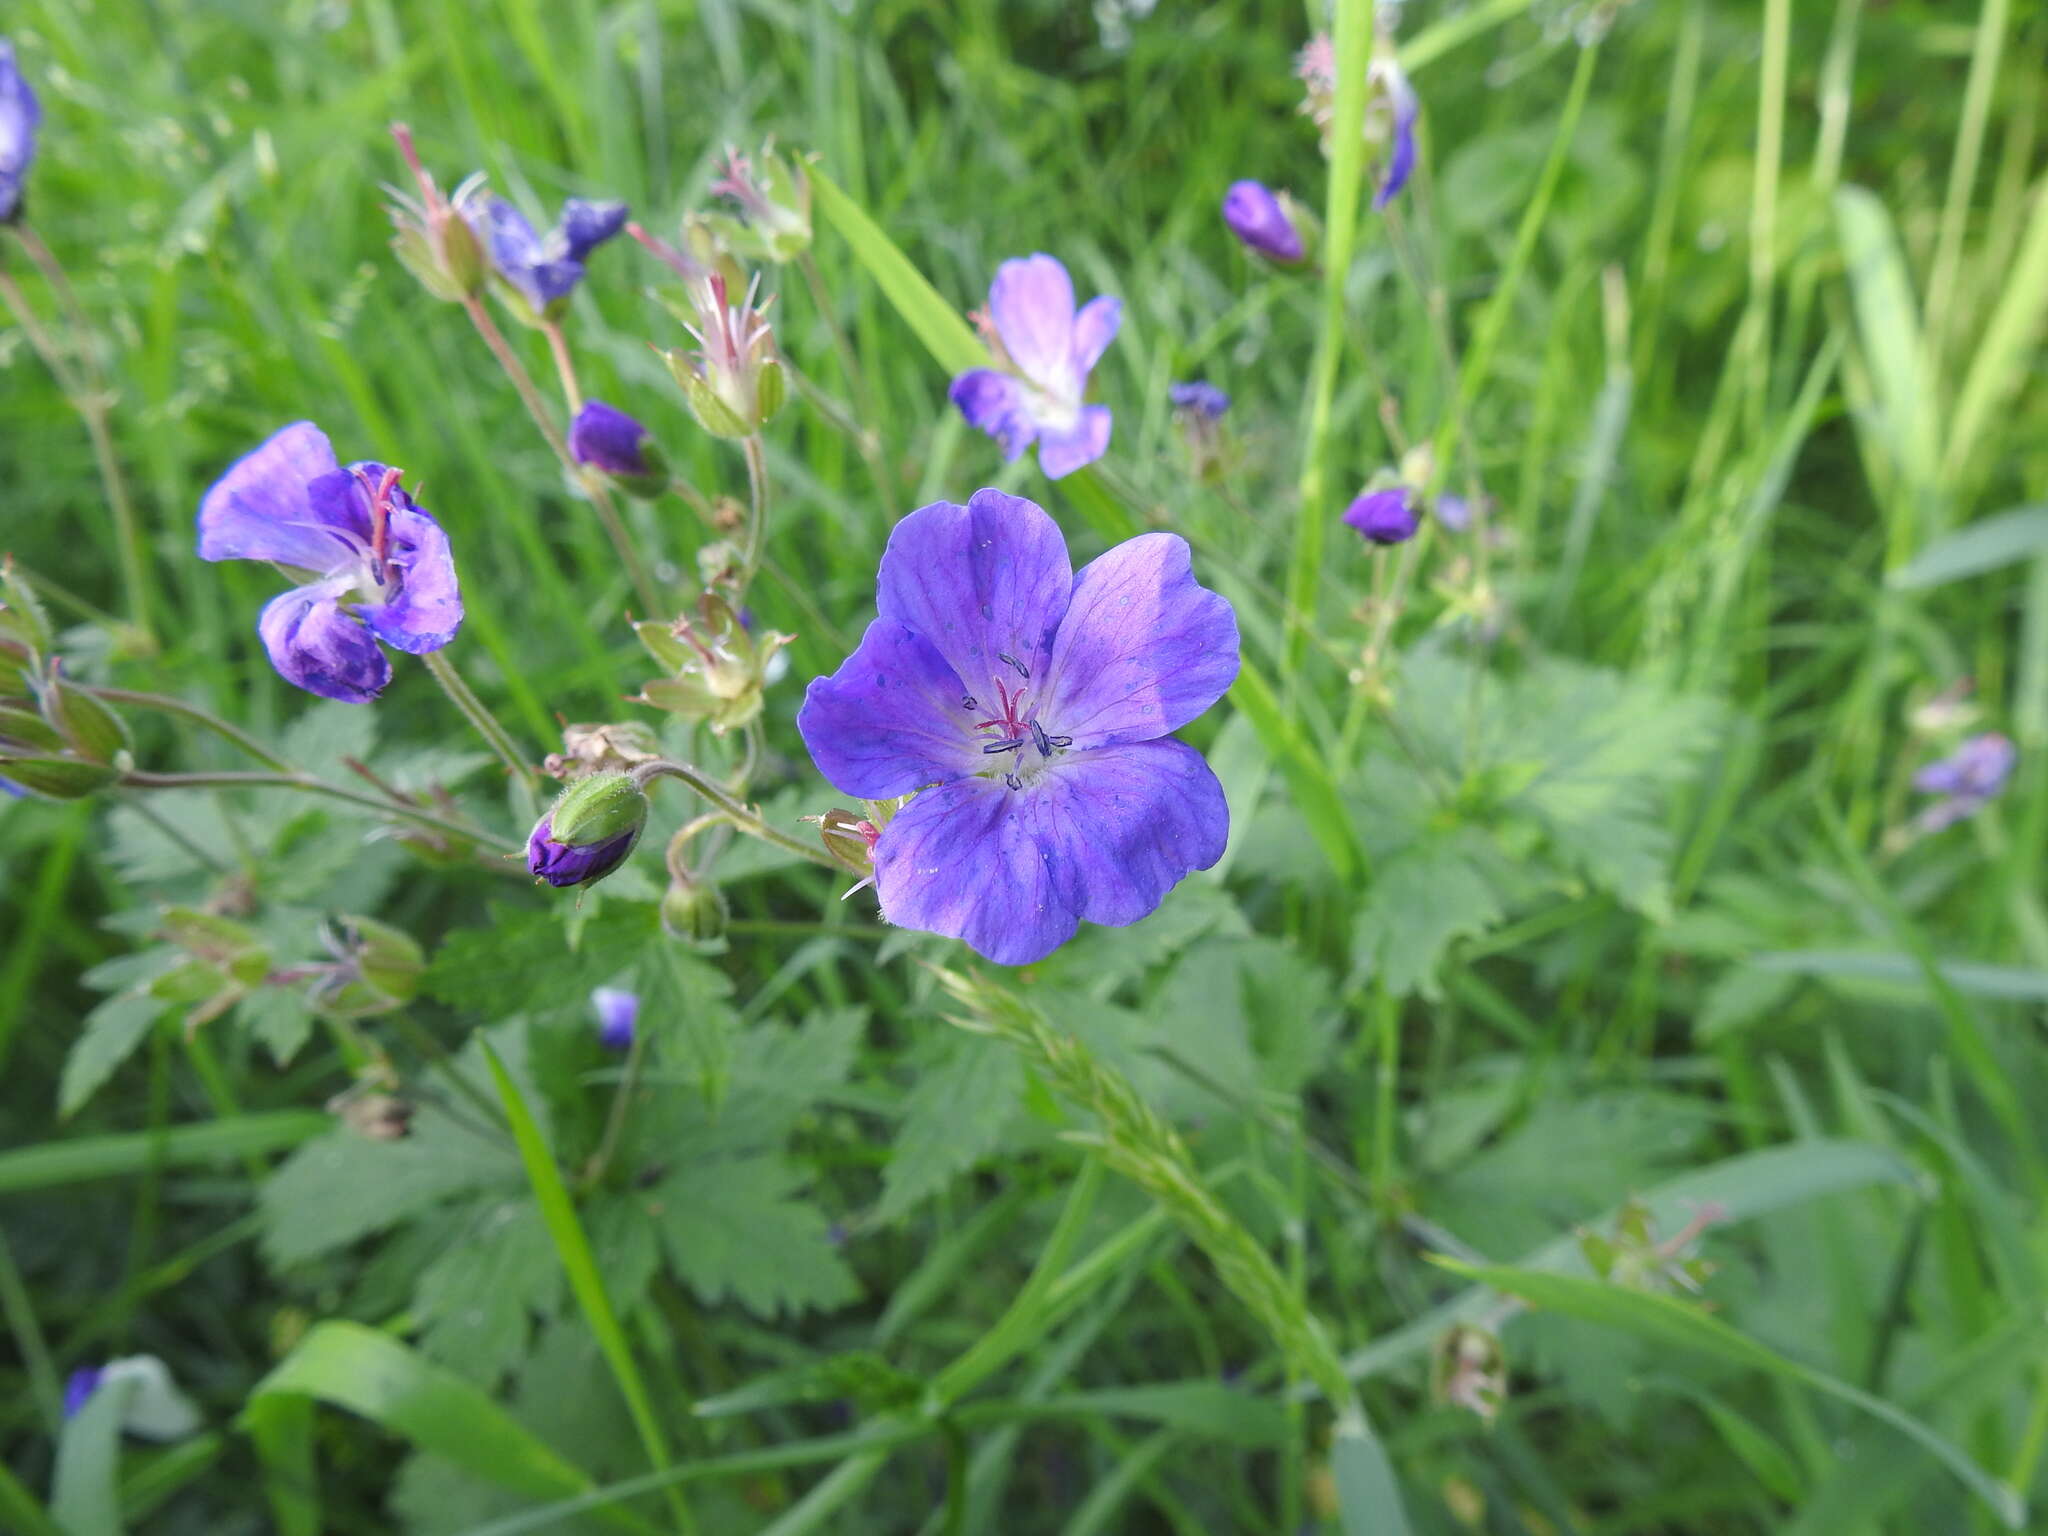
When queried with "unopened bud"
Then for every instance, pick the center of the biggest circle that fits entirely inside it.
(694, 911)
(774, 200)
(376, 968)
(93, 731)
(589, 830)
(609, 441)
(57, 778)
(22, 617)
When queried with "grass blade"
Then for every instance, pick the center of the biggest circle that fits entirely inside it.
(86, 1500)
(107, 1157)
(1315, 793)
(946, 336)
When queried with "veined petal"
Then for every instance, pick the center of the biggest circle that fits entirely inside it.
(586, 225)
(425, 612)
(1102, 835)
(1032, 304)
(1095, 327)
(1060, 453)
(891, 719)
(980, 582)
(994, 402)
(1144, 647)
(317, 647)
(261, 509)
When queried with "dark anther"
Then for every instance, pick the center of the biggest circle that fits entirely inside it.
(1056, 741)
(1044, 742)
(1002, 746)
(1022, 670)
(969, 702)
(1013, 781)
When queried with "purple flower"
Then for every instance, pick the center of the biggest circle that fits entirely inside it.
(1260, 218)
(1454, 512)
(352, 533)
(79, 1387)
(1385, 517)
(1048, 349)
(1038, 704)
(1402, 107)
(545, 268)
(617, 1012)
(606, 438)
(1967, 779)
(1199, 399)
(19, 114)
(562, 865)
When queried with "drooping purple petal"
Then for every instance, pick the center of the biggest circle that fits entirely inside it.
(1198, 398)
(1384, 517)
(1259, 219)
(523, 258)
(20, 112)
(317, 647)
(1095, 327)
(1064, 450)
(425, 612)
(259, 509)
(1144, 647)
(585, 225)
(1032, 304)
(1407, 107)
(606, 438)
(1102, 835)
(617, 1012)
(979, 582)
(561, 865)
(994, 402)
(893, 718)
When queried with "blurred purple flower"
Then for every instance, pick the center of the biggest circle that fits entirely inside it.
(1047, 350)
(606, 438)
(1454, 512)
(1037, 705)
(1402, 107)
(79, 1387)
(1966, 780)
(1385, 517)
(545, 268)
(617, 1012)
(1199, 399)
(1262, 219)
(347, 531)
(20, 112)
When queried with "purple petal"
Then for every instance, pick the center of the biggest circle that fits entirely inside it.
(606, 438)
(1032, 303)
(261, 508)
(1199, 398)
(561, 866)
(1401, 153)
(586, 225)
(1384, 517)
(1102, 835)
(617, 1012)
(19, 114)
(994, 402)
(1143, 650)
(80, 1385)
(317, 647)
(891, 719)
(1060, 453)
(522, 258)
(979, 582)
(1259, 219)
(1095, 328)
(426, 611)
(1978, 768)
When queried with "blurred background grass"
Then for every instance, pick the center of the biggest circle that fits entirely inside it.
(1698, 429)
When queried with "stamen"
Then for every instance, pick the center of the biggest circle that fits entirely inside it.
(1013, 781)
(1001, 746)
(970, 702)
(1044, 742)
(1058, 741)
(1022, 670)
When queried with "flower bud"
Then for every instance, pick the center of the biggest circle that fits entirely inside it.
(93, 731)
(717, 666)
(1269, 224)
(23, 730)
(23, 621)
(1386, 516)
(617, 747)
(589, 830)
(774, 199)
(57, 778)
(436, 240)
(618, 447)
(1198, 409)
(694, 912)
(734, 383)
(376, 968)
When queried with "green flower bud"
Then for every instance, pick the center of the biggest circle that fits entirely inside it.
(93, 730)
(57, 778)
(22, 617)
(377, 968)
(694, 912)
(597, 809)
(23, 730)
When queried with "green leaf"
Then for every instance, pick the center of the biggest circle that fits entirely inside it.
(949, 339)
(737, 1227)
(112, 1032)
(279, 1018)
(1420, 902)
(475, 1300)
(1205, 1408)
(1888, 325)
(19, 1510)
(1368, 1497)
(1668, 1321)
(955, 1116)
(1972, 978)
(2004, 538)
(105, 1157)
(326, 733)
(86, 1498)
(1315, 793)
(1738, 998)
(349, 1366)
(686, 1012)
(2000, 366)
(522, 961)
(283, 1432)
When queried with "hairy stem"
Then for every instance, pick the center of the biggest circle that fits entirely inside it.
(306, 783)
(234, 735)
(486, 723)
(741, 815)
(757, 508)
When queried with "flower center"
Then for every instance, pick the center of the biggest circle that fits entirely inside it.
(1016, 726)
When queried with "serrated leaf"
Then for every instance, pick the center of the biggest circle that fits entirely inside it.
(685, 1013)
(1216, 1010)
(521, 962)
(328, 732)
(1420, 902)
(477, 1298)
(954, 1117)
(737, 1227)
(279, 1018)
(112, 1032)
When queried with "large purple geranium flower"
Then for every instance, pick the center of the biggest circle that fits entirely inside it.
(546, 268)
(20, 112)
(1038, 704)
(376, 566)
(1048, 348)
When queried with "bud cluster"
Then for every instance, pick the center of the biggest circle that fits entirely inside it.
(716, 666)
(56, 739)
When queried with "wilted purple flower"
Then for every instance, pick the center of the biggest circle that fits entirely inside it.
(1967, 779)
(1393, 113)
(606, 438)
(79, 1387)
(545, 268)
(1199, 399)
(350, 533)
(1385, 517)
(19, 114)
(617, 1011)
(1262, 220)
(1047, 349)
(1037, 704)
